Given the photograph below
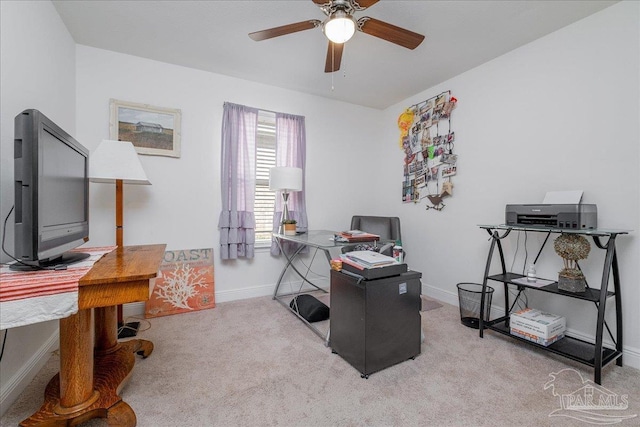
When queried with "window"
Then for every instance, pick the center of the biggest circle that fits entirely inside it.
(254, 141)
(265, 199)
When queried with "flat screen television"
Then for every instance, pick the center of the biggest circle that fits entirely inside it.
(51, 193)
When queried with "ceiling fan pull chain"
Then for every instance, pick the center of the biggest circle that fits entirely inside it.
(344, 65)
(333, 58)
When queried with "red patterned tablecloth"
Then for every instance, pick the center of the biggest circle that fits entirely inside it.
(28, 297)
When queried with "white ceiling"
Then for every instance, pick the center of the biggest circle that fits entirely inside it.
(212, 36)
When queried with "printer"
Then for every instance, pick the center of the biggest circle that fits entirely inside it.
(570, 216)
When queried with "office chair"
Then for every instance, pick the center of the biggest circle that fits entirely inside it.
(388, 228)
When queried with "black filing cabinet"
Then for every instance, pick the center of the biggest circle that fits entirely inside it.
(375, 323)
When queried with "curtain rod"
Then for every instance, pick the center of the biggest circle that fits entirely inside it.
(265, 110)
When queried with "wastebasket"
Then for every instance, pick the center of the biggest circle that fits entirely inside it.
(469, 297)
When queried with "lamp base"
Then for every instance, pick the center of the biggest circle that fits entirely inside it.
(285, 212)
(128, 330)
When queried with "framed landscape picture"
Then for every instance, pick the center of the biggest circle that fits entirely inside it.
(152, 130)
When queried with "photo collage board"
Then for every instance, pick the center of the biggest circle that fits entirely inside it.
(428, 141)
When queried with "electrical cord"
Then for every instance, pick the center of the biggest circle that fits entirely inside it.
(4, 341)
(26, 265)
(513, 292)
(522, 300)
(515, 255)
(4, 234)
(138, 319)
(526, 253)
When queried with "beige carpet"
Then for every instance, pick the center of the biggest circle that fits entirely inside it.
(429, 304)
(252, 363)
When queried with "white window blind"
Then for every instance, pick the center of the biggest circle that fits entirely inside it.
(265, 160)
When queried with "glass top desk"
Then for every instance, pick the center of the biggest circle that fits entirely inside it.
(291, 246)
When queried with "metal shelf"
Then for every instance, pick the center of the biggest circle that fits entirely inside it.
(595, 355)
(569, 347)
(588, 295)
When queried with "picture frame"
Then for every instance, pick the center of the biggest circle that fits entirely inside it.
(152, 130)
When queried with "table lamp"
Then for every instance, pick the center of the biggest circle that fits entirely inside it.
(285, 179)
(117, 162)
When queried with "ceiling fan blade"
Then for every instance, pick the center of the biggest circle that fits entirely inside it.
(283, 30)
(389, 32)
(334, 56)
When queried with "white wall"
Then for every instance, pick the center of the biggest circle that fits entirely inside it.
(561, 113)
(37, 70)
(182, 205)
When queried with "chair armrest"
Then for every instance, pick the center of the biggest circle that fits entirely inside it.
(387, 249)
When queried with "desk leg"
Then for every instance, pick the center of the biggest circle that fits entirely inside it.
(71, 394)
(107, 335)
(286, 266)
(76, 363)
(290, 259)
(88, 386)
(106, 329)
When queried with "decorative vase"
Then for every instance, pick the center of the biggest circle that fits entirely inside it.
(290, 229)
(571, 248)
(571, 284)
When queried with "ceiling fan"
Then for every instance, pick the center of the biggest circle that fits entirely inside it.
(340, 26)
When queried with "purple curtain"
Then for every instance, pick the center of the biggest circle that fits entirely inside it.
(291, 150)
(237, 221)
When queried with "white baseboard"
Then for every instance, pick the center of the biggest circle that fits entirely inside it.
(630, 355)
(440, 295)
(238, 294)
(266, 290)
(133, 309)
(136, 309)
(19, 381)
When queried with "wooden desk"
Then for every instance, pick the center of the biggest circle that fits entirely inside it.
(94, 368)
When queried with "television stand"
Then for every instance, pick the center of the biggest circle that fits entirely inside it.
(58, 263)
(94, 366)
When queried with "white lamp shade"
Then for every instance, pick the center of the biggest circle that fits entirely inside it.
(114, 160)
(339, 28)
(285, 178)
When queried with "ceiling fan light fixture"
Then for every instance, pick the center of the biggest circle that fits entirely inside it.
(339, 27)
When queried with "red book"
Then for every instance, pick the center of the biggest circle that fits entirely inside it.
(355, 236)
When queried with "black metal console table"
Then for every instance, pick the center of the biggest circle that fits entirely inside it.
(592, 354)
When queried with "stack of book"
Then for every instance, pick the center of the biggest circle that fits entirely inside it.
(368, 259)
(371, 265)
(537, 326)
(355, 236)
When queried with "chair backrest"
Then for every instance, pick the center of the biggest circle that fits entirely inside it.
(387, 227)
